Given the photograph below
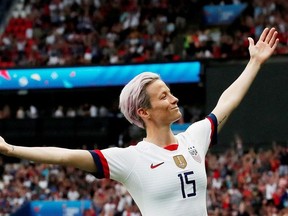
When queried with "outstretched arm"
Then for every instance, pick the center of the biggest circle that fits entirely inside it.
(81, 159)
(234, 94)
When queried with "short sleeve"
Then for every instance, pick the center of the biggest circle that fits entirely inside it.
(203, 133)
(114, 163)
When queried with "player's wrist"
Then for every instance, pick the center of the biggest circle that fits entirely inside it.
(255, 62)
(10, 150)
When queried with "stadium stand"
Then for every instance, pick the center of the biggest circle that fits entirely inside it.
(63, 32)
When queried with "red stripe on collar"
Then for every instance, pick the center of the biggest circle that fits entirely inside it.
(171, 147)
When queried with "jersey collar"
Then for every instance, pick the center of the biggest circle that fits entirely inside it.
(171, 147)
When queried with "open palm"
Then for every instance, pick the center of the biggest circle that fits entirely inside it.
(265, 46)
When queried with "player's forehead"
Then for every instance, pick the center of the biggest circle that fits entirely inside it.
(157, 88)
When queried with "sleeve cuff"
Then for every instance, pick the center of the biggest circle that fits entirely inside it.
(214, 123)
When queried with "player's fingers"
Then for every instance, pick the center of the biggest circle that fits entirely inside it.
(264, 34)
(273, 39)
(275, 44)
(269, 36)
(251, 41)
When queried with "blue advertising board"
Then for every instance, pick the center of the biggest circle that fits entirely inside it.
(94, 76)
(222, 14)
(59, 208)
(178, 128)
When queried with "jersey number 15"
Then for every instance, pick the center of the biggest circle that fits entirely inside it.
(185, 181)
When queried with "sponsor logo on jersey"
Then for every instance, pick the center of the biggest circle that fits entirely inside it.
(194, 153)
(153, 166)
(180, 161)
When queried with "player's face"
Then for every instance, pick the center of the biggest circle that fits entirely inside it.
(164, 108)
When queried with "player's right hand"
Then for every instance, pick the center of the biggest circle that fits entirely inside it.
(4, 147)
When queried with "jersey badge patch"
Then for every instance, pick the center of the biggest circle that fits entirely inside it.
(194, 153)
(180, 161)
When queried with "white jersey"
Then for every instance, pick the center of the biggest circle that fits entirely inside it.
(167, 181)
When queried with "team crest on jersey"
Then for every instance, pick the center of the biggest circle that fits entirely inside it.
(180, 161)
(194, 153)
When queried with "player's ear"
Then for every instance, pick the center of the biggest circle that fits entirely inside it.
(143, 113)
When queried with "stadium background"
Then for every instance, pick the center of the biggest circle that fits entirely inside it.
(166, 31)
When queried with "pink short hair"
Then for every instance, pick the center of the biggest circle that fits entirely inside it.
(133, 96)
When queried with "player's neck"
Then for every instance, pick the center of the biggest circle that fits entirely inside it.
(162, 138)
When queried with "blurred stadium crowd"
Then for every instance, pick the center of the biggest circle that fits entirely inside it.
(241, 182)
(69, 32)
(190, 113)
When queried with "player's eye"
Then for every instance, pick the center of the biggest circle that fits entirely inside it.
(164, 96)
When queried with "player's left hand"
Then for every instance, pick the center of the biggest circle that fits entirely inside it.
(265, 46)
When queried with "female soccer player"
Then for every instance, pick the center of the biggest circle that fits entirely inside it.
(164, 173)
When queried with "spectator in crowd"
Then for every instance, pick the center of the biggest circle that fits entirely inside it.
(20, 113)
(71, 113)
(32, 112)
(59, 112)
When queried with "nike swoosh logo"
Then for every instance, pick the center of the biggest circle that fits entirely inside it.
(156, 165)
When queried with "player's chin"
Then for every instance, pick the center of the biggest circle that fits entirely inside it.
(178, 116)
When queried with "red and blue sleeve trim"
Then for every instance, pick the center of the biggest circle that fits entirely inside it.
(101, 164)
(213, 120)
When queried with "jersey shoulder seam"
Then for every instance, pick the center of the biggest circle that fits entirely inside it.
(135, 151)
